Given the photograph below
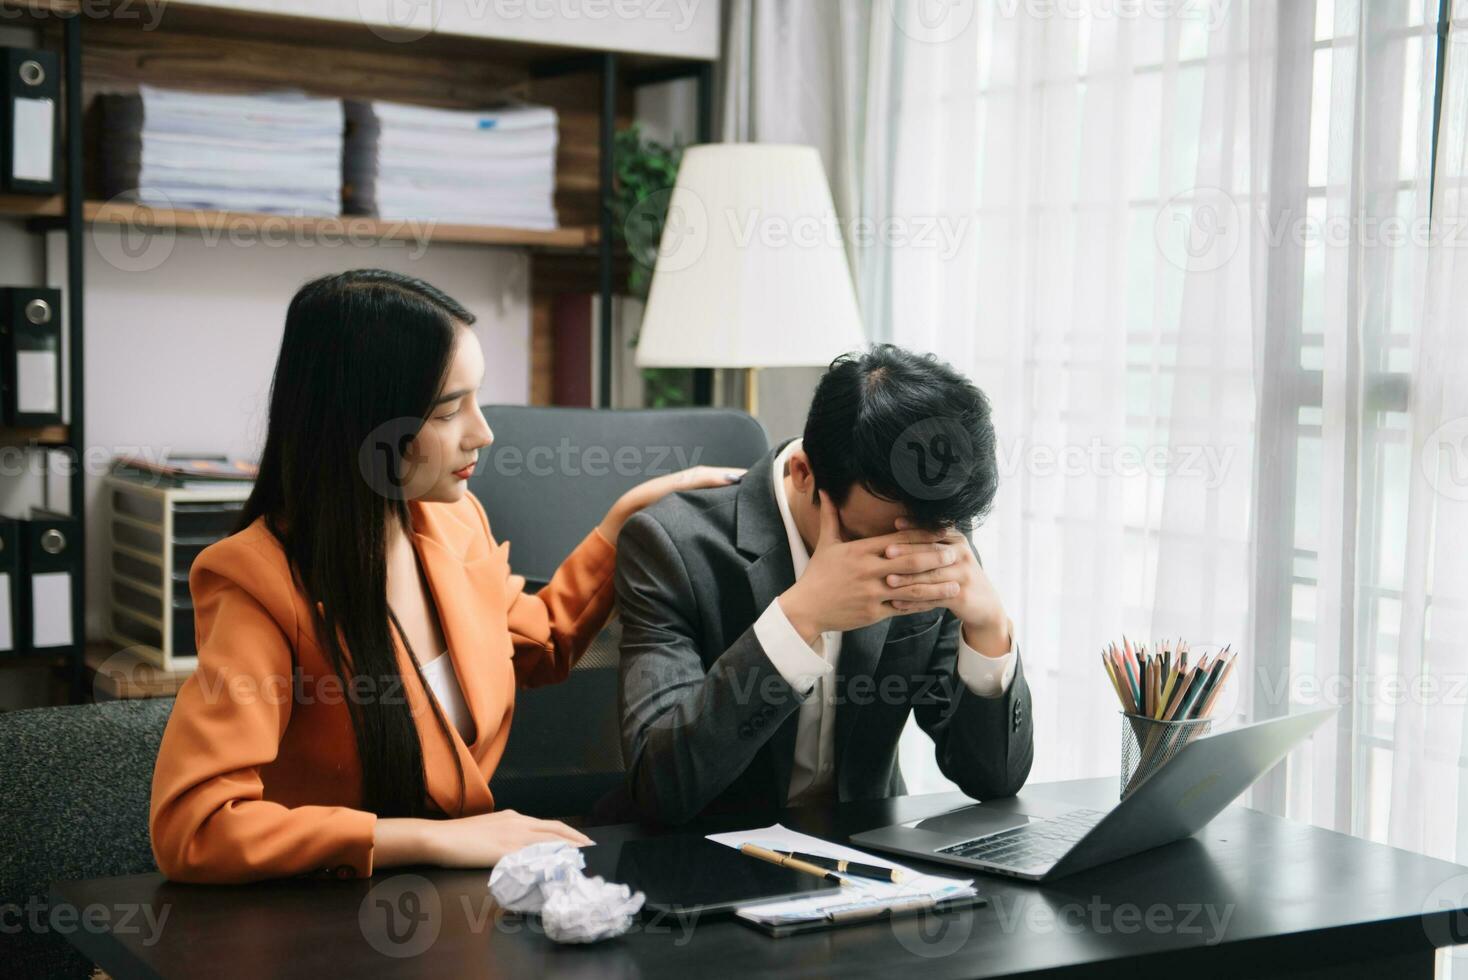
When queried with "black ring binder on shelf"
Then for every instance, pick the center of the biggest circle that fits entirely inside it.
(30, 122)
(50, 570)
(10, 575)
(42, 588)
(30, 355)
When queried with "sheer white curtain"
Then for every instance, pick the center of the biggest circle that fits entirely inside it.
(1081, 165)
(1189, 259)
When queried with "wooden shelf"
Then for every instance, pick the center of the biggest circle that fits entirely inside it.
(347, 227)
(25, 660)
(42, 435)
(30, 205)
(277, 226)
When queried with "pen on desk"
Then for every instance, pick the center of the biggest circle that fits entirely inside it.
(846, 867)
(775, 857)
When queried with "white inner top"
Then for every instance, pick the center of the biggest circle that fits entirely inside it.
(444, 680)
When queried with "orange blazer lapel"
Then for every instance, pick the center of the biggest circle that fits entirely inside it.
(460, 569)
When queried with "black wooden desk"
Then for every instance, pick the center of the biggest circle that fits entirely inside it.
(1250, 896)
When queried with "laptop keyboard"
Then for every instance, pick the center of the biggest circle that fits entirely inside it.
(1041, 843)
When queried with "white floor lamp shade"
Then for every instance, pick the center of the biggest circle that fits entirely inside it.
(751, 270)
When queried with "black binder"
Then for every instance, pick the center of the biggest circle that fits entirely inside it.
(30, 355)
(51, 568)
(10, 573)
(30, 122)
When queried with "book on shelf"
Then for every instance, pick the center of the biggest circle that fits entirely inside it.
(187, 471)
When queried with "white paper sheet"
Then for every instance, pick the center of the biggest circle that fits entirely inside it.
(34, 125)
(861, 892)
(7, 634)
(51, 609)
(35, 381)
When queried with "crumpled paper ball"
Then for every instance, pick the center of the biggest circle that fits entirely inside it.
(547, 878)
(584, 910)
(521, 879)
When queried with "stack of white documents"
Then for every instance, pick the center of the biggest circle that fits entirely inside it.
(483, 167)
(915, 890)
(278, 152)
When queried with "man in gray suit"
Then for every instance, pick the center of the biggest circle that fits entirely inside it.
(777, 633)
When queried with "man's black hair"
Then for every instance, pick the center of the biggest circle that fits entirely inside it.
(908, 428)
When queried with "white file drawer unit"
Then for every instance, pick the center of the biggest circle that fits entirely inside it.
(154, 534)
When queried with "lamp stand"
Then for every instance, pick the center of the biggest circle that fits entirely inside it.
(751, 390)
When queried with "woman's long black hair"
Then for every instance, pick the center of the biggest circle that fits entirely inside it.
(363, 358)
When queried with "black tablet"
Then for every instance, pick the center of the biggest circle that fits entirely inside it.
(687, 874)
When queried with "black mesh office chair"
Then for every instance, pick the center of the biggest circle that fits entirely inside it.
(74, 794)
(549, 478)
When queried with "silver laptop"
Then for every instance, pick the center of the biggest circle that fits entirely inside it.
(1039, 841)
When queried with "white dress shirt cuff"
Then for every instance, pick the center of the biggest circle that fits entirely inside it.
(792, 656)
(988, 677)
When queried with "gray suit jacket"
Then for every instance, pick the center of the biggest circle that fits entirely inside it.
(709, 724)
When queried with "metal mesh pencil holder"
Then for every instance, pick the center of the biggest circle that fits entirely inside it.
(1147, 744)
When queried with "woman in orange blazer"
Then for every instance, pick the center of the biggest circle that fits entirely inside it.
(361, 635)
